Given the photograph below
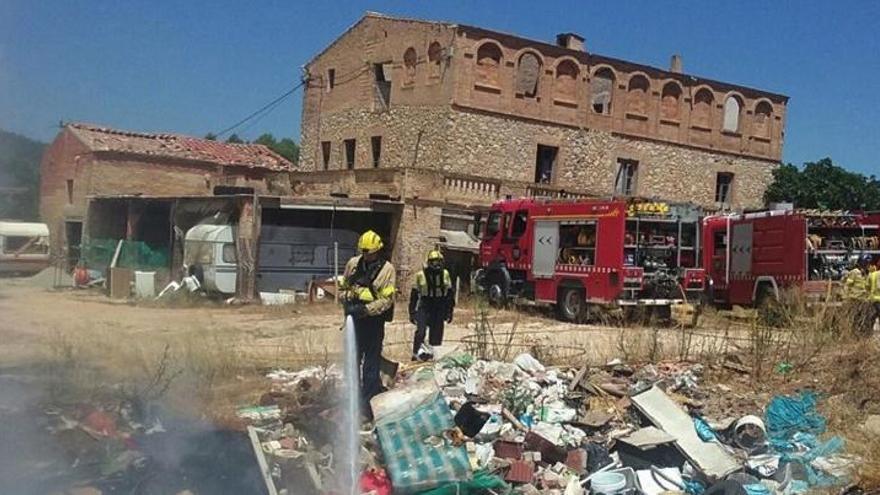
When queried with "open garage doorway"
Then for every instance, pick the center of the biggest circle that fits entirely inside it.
(297, 242)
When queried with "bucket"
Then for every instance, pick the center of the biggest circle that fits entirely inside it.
(607, 483)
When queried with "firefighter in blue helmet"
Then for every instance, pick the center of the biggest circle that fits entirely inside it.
(367, 294)
(431, 304)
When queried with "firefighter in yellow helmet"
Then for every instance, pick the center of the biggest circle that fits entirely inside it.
(855, 295)
(367, 294)
(431, 303)
(874, 292)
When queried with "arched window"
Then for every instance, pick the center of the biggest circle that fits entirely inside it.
(637, 95)
(763, 112)
(488, 64)
(566, 80)
(732, 108)
(670, 101)
(701, 116)
(410, 59)
(528, 73)
(601, 90)
(435, 57)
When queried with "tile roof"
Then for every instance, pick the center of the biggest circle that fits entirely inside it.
(176, 146)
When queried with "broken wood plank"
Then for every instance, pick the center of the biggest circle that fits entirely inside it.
(663, 412)
(261, 460)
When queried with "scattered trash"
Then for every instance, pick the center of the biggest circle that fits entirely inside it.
(464, 425)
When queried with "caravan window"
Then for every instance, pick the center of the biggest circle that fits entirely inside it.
(25, 245)
(198, 253)
(229, 253)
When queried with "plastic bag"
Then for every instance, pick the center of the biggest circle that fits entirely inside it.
(786, 416)
(418, 455)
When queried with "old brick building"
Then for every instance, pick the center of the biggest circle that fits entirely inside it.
(86, 161)
(463, 100)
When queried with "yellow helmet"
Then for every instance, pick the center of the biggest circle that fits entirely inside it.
(370, 242)
(434, 254)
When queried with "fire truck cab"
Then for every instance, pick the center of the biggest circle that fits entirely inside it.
(573, 253)
(752, 256)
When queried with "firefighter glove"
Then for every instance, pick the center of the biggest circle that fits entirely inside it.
(355, 309)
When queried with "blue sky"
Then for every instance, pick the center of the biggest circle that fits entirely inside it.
(194, 67)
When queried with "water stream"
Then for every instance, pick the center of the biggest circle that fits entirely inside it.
(350, 428)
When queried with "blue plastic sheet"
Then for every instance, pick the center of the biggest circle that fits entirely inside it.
(756, 489)
(793, 429)
(693, 487)
(787, 416)
(704, 431)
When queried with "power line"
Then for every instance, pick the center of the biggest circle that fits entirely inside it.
(268, 106)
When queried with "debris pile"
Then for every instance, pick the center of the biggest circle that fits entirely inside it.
(464, 425)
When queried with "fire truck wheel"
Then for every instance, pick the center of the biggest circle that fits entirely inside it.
(571, 304)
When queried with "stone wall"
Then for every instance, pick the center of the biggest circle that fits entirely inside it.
(411, 136)
(504, 148)
(418, 231)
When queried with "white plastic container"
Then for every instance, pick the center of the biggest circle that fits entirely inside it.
(607, 483)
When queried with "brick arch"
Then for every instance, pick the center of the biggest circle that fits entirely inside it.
(410, 62)
(435, 58)
(489, 59)
(566, 74)
(670, 100)
(638, 90)
(762, 118)
(529, 69)
(701, 106)
(733, 106)
(602, 81)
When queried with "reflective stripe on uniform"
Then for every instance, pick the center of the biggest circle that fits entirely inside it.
(874, 286)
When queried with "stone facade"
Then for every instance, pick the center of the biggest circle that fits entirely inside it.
(470, 101)
(446, 117)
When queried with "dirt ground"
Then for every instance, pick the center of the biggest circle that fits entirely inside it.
(205, 360)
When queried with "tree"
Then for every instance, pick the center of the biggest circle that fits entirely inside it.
(20, 176)
(211, 136)
(286, 147)
(234, 139)
(824, 185)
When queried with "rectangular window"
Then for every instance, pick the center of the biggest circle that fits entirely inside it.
(376, 144)
(545, 159)
(331, 79)
(325, 154)
(19, 245)
(382, 81)
(520, 221)
(723, 187)
(626, 178)
(349, 153)
(69, 191)
(493, 224)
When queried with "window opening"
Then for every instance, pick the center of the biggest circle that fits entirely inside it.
(545, 159)
(627, 175)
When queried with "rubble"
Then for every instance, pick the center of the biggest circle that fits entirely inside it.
(535, 429)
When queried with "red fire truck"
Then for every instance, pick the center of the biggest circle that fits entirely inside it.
(573, 253)
(752, 256)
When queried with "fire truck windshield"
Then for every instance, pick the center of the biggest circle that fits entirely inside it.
(493, 224)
